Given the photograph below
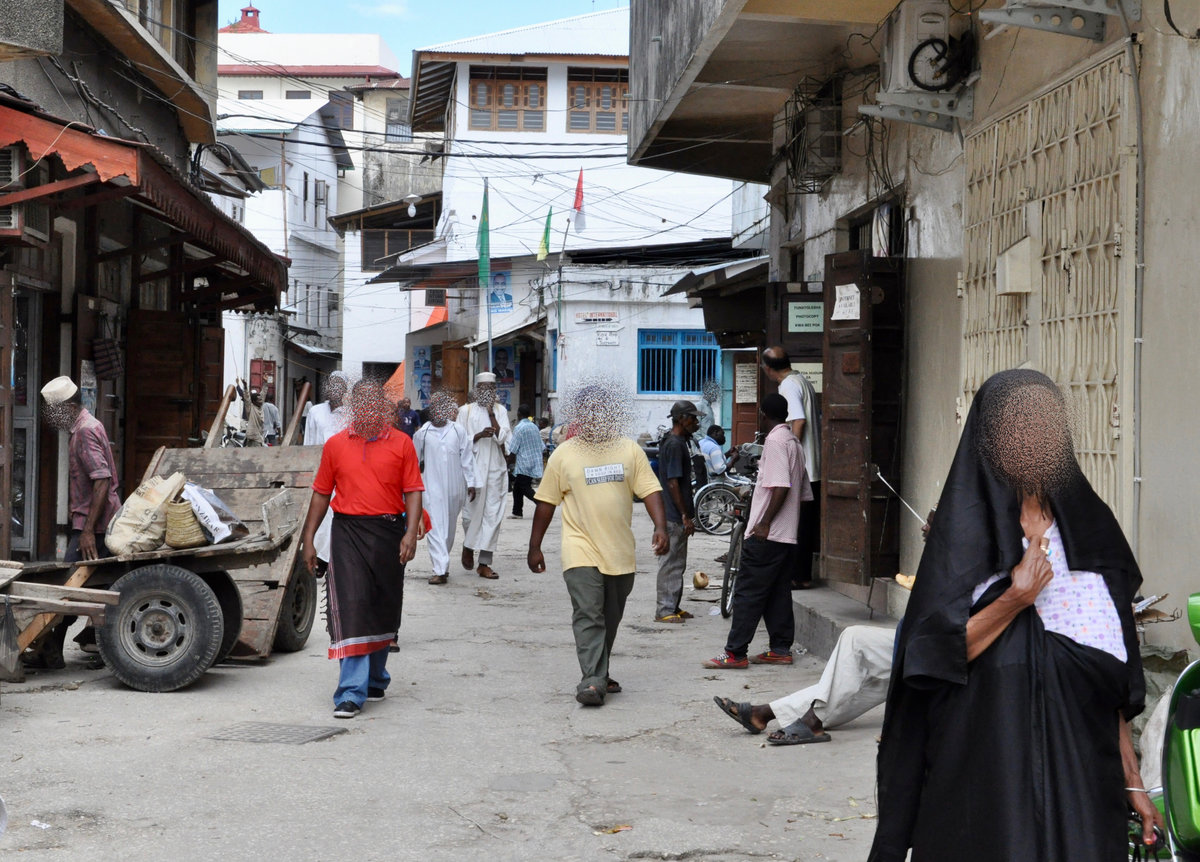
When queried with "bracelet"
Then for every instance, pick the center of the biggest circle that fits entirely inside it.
(1135, 790)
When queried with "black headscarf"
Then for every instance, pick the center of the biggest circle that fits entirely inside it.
(975, 534)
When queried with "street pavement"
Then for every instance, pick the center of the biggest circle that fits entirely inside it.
(479, 751)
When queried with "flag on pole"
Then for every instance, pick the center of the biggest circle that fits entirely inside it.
(579, 222)
(483, 244)
(544, 245)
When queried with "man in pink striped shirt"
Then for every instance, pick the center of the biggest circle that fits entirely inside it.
(768, 552)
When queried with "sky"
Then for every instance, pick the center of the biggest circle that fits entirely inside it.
(408, 24)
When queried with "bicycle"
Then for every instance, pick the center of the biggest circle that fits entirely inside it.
(733, 557)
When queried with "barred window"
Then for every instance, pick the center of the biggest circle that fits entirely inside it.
(676, 361)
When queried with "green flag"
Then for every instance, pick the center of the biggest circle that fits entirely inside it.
(544, 245)
(483, 244)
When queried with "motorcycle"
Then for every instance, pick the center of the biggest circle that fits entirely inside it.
(715, 501)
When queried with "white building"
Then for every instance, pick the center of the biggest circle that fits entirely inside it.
(528, 111)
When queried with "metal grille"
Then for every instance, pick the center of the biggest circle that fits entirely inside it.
(1055, 170)
(676, 361)
(286, 734)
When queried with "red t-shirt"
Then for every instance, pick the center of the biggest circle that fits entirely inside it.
(370, 477)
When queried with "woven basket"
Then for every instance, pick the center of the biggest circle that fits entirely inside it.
(183, 530)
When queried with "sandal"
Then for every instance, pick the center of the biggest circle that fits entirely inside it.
(489, 574)
(739, 712)
(439, 579)
(684, 614)
(670, 618)
(797, 733)
(590, 696)
(771, 657)
(612, 686)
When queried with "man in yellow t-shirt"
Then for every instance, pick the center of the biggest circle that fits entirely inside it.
(594, 476)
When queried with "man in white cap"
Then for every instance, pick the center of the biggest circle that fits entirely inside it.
(487, 424)
(91, 496)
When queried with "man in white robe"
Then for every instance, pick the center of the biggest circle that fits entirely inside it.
(448, 468)
(486, 422)
(324, 420)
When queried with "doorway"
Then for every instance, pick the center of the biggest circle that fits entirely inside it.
(862, 401)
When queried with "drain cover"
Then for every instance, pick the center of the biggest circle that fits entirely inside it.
(287, 734)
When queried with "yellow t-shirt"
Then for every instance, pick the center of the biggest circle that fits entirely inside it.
(595, 486)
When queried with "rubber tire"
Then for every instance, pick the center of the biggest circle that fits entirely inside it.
(733, 561)
(297, 612)
(190, 601)
(719, 492)
(232, 611)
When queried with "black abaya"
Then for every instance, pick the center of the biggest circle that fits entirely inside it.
(1015, 756)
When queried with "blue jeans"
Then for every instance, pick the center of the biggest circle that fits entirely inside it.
(360, 672)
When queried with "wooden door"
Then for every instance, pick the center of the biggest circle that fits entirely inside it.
(210, 372)
(6, 423)
(160, 388)
(454, 372)
(747, 384)
(863, 370)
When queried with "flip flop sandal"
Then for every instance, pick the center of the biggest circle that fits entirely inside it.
(612, 686)
(797, 733)
(590, 697)
(684, 614)
(491, 574)
(739, 712)
(438, 579)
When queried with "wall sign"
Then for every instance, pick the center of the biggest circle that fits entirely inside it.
(814, 371)
(595, 316)
(806, 317)
(607, 338)
(745, 383)
(846, 303)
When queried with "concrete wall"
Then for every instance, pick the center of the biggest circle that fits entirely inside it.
(664, 35)
(136, 110)
(31, 27)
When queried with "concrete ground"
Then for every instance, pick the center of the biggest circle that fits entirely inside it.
(478, 752)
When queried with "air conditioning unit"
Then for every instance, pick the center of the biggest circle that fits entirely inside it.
(911, 24)
(320, 192)
(29, 220)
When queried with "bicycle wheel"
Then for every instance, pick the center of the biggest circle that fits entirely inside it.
(714, 510)
(733, 561)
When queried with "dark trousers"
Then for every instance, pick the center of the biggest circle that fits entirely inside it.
(764, 593)
(522, 490)
(808, 538)
(598, 604)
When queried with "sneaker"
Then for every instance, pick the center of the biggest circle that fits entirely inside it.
(727, 661)
(376, 694)
(771, 657)
(669, 618)
(346, 709)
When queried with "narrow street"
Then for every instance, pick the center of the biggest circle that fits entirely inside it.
(478, 752)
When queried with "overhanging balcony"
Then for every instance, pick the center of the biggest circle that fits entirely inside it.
(707, 77)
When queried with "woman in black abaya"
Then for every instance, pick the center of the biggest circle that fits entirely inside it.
(1006, 734)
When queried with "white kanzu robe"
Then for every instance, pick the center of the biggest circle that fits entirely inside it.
(481, 518)
(448, 469)
(322, 423)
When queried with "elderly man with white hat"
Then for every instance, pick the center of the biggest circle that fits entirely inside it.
(486, 421)
(91, 493)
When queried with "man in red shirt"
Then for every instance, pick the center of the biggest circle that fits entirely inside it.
(376, 525)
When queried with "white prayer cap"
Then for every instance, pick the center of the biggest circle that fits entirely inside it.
(59, 390)
(485, 377)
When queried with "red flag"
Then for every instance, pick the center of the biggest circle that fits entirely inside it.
(579, 192)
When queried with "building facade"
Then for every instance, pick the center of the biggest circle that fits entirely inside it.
(114, 266)
(1014, 203)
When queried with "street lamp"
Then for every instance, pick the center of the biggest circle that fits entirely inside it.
(412, 201)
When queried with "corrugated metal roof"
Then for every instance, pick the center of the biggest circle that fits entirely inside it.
(596, 33)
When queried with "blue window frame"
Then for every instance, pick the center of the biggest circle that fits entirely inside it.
(676, 361)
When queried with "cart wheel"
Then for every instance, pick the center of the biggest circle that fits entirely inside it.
(298, 611)
(165, 632)
(230, 599)
(733, 561)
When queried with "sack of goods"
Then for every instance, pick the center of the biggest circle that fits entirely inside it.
(141, 525)
(216, 519)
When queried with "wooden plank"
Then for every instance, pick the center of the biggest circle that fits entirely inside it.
(280, 479)
(54, 607)
(152, 467)
(293, 429)
(34, 590)
(217, 430)
(42, 622)
(253, 460)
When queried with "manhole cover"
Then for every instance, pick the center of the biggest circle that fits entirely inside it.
(287, 734)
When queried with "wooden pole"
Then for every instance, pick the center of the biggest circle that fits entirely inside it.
(289, 436)
(216, 431)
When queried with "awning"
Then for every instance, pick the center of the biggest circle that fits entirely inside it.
(508, 336)
(239, 269)
(727, 277)
(309, 350)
